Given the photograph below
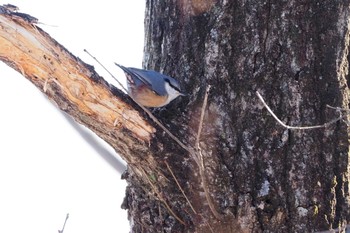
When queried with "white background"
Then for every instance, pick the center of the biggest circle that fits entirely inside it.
(46, 168)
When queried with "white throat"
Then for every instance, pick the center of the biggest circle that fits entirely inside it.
(172, 93)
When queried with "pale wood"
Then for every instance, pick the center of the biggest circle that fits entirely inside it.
(71, 84)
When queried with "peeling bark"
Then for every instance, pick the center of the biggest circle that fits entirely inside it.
(260, 176)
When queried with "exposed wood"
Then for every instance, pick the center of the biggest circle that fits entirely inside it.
(71, 84)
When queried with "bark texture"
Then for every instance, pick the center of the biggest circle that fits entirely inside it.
(257, 176)
(262, 177)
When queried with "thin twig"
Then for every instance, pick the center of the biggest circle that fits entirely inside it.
(121, 85)
(206, 189)
(64, 224)
(201, 159)
(162, 199)
(178, 184)
(210, 228)
(205, 101)
(338, 108)
(298, 127)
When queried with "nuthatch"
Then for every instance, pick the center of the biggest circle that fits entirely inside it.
(150, 88)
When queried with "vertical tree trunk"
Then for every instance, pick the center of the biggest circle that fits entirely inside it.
(261, 177)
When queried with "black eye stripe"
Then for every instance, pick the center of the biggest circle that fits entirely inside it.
(175, 87)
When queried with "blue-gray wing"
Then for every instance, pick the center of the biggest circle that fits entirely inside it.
(138, 80)
(153, 79)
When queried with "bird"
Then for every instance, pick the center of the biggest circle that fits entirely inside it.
(150, 88)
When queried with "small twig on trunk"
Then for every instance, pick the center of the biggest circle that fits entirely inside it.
(178, 184)
(200, 126)
(161, 198)
(201, 159)
(300, 127)
(64, 224)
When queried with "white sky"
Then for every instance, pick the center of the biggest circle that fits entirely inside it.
(46, 169)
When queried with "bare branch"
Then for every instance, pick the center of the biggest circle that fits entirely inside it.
(73, 85)
(299, 127)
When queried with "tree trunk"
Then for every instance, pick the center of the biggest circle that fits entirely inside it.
(262, 177)
(241, 171)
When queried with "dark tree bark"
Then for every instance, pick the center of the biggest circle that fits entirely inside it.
(262, 177)
(258, 176)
